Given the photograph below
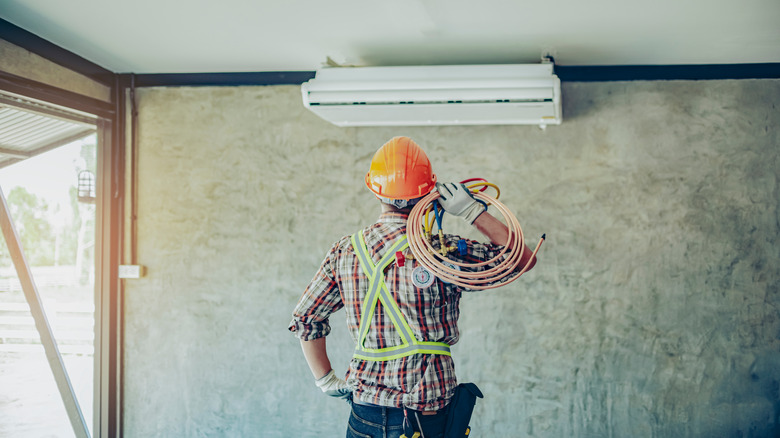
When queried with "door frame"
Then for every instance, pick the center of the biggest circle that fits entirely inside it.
(109, 222)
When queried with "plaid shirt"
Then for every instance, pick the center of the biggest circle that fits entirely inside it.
(419, 381)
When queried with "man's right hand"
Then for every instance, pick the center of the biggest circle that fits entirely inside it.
(333, 386)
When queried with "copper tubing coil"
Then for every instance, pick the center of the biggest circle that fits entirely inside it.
(431, 259)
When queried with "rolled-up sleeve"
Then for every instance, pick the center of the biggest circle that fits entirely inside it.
(320, 299)
(476, 253)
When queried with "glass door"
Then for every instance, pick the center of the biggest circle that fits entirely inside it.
(48, 178)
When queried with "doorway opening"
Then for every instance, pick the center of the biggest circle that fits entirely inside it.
(48, 159)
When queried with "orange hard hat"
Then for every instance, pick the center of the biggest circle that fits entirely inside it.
(400, 170)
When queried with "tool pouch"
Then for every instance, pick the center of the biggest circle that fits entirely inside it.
(460, 408)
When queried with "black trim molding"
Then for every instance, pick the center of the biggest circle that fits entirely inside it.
(574, 73)
(567, 73)
(222, 79)
(54, 53)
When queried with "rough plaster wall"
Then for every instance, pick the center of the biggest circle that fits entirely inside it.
(653, 310)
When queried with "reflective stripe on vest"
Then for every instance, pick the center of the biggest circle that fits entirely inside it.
(378, 292)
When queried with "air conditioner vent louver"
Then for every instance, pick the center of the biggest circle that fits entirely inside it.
(436, 95)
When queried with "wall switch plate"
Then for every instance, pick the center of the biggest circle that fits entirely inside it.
(131, 271)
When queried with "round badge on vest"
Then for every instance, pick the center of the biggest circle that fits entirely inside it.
(422, 277)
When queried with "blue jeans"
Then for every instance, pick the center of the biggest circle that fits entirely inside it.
(382, 422)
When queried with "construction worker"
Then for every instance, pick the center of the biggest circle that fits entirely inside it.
(394, 383)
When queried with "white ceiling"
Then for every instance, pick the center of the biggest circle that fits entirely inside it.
(197, 36)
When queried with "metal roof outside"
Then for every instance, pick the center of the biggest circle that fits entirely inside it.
(29, 128)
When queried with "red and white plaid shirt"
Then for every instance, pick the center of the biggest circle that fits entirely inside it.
(421, 381)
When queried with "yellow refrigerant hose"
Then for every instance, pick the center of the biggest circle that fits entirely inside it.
(467, 275)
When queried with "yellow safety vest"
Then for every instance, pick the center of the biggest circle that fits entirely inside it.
(377, 291)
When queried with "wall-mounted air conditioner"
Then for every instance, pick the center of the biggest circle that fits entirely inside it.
(436, 95)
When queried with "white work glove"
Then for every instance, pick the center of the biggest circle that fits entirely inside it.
(333, 386)
(457, 200)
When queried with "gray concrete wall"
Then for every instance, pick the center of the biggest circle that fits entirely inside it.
(653, 310)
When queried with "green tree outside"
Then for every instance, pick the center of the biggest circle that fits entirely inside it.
(33, 227)
(46, 243)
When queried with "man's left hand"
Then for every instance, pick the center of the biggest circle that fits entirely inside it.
(457, 200)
